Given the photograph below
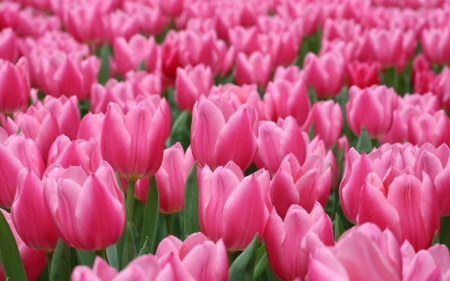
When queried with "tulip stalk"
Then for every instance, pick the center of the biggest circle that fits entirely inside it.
(130, 199)
(102, 254)
(169, 224)
(49, 261)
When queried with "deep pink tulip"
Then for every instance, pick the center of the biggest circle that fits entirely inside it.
(326, 117)
(387, 46)
(34, 261)
(8, 45)
(190, 84)
(428, 127)
(171, 8)
(227, 201)
(84, 22)
(435, 42)
(151, 20)
(169, 54)
(129, 55)
(244, 40)
(39, 125)
(362, 253)
(139, 136)
(287, 254)
(9, 168)
(36, 25)
(237, 95)
(66, 113)
(120, 24)
(291, 73)
(276, 140)
(221, 133)
(88, 209)
(66, 153)
(371, 108)
(363, 74)
(29, 213)
(27, 152)
(325, 74)
(283, 99)
(9, 16)
(254, 69)
(203, 259)
(15, 90)
(90, 126)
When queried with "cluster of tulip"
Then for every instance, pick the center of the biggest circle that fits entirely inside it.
(224, 140)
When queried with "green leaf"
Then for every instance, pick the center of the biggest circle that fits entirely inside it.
(338, 227)
(103, 74)
(129, 249)
(113, 257)
(86, 257)
(435, 239)
(9, 253)
(141, 66)
(151, 213)
(312, 95)
(444, 237)
(311, 131)
(261, 252)
(261, 266)
(60, 269)
(364, 143)
(191, 224)
(181, 130)
(146, 248)
(243, 267)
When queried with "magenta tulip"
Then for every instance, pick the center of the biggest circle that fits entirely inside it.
(221, 133)
(66, 113)
(88, 210)
(227, 201)
(254, 69)
(15, 90)
(90, 126)
(190, 84)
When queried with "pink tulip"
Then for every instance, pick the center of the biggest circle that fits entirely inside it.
(221, 133)
(325, 73)
(203, 259)
(139, 136)
(291, 73)
(227, 201)
(363, 74)
(430, 264)
(15, 92)
(171, 8)
(88, 209)
(120, 24)
(326, 117)
(428, 127)
(237, 95)
(29, 214)
(435, 42)
(84, 22)
(283, 99)
(101, 270)
(85, 154)
(9, 16)
(287, 254)
(34, 261)
(8, 45)
(39, 125)
(371, 108)
(90, 126)
(387, 46)
(276, 140)
(129, 55)
(169, 54)
(190, 84)
(27, 152)
(35, 25)
(254, 69)
(244, 40)
(376, 253)
(9, 168)
(66, 112)
(151, 20)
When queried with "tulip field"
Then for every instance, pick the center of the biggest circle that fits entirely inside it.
(224, 140)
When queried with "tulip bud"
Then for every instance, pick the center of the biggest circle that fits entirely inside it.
(254, 69)
(190, 84)
(15, 90)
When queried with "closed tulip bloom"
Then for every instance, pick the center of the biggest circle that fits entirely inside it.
(227, 201)
(244, 40)
(363, 74)
(90, 126)
(66, 112)
(371, 108)
(362, 253)
(220, 133)
(326, 117)
(286, 251)
(290, 73)
(254, 69)
(120, 24)
(129, 55)
(430, 264)
(34, 261)
(172, 8)
(66, 153)
(8, 45)
(276, 140)
(29, 213)
(39, 125)
(9, 168)
(204, 259)
(387, 46)
(325, 73)
(27, 152)
(84, 22)
(435, 42)
(15, 90)
(134, 143)
(190, 84)
(283, 99)
(88, 209)
(169, 54)
(429, 127)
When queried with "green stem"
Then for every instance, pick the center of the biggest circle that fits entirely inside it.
(102, 254)
(130, 199)
(231, 258)
(49, 262)
(169, 224)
